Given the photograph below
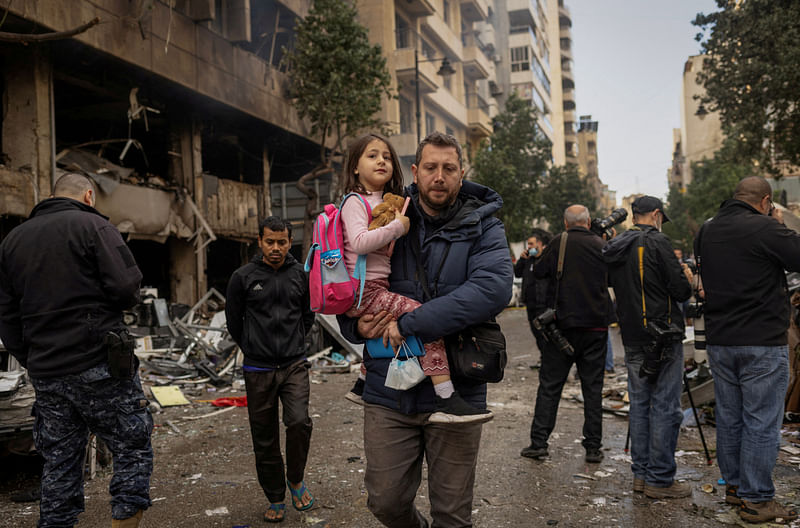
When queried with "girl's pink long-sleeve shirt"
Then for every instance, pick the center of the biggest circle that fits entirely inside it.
(358, 240)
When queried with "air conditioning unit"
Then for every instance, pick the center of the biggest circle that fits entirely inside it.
(497, 58)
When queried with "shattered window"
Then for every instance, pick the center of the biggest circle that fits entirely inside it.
(272, 27)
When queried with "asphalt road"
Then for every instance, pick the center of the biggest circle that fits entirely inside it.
(204, 473)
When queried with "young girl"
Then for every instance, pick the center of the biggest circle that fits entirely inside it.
(372, 168)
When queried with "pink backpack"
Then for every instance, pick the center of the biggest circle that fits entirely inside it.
(332, 289)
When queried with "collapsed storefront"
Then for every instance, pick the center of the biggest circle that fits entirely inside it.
(188, 154)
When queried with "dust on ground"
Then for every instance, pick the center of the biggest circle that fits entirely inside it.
(204, 472)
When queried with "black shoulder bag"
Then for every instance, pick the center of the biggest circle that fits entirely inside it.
(476, 354)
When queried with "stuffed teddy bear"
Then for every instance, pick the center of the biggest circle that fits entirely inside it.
(384, 212)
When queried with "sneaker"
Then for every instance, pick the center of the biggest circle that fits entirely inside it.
(456, 410)
(356, 393)
(638, 485)
(536, 453)
(676, 490)
(610, 370)
(594, 456)
(732, 495)
(761, 512)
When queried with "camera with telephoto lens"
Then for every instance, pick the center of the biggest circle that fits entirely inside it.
(695, 310)
(546, 324)
(665, 335)
(602, 226)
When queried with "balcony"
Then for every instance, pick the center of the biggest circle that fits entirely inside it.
(436, 29)
(569, 132)
(566, 48)
(445, 103)
(405, 144)
(476, 64)
(522, 36)
(419, 8)
(567, 81)
(478, 119)
(521, 13)
(568, 98)
(474, 10)
(564, 16)
(488, 37)
(404, 69)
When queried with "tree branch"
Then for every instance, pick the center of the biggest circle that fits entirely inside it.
(41, 37)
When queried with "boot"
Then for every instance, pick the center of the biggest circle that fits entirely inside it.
(762, 512)
(130, 522)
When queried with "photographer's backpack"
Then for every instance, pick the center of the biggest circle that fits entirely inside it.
(331, 288)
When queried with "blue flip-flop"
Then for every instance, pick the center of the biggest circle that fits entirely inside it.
(278, 508)
(297, 496)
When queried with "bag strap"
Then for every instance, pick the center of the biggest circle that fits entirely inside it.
(360, 269)
(562, 250)
(422, 277)
(640, 251)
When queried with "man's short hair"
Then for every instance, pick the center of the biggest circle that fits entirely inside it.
(574, 216)
(274, 223)
(439, 139)
(541, 235)
(73, 185)
(752, 189)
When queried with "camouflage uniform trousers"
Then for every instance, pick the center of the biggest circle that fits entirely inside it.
(66, 409)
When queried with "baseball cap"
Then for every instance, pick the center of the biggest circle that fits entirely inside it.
(645, 204)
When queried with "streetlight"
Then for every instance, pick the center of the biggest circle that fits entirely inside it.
(445, 70)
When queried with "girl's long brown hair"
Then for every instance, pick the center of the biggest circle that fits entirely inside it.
(354, 152)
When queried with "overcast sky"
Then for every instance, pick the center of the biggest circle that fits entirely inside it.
(628, 66)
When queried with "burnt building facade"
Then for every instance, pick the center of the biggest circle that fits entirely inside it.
(178, 109)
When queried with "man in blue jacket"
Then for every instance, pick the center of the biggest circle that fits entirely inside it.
(268, 315)
(65, 277)
(463, 252)
(742, 254)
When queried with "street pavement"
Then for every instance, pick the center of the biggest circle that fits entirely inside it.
(204, 474)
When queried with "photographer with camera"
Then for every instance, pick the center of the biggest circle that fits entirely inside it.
(533, 290)
(576, 328)
(742, 254)
(649, 283)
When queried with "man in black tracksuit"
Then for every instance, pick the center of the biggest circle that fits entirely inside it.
(268, 315)
(583, 311)
(742, 254)
(534, 291)
(664, 283)
(65, 277)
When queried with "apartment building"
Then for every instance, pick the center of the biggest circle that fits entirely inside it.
(700, 135)
(441, 55)
(177, 109)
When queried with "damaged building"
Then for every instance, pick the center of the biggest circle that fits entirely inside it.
(178, 110)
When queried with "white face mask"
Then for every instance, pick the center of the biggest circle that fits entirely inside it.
(533, 252)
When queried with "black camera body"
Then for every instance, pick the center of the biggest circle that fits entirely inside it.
(602, 226)
(546, 324)
(690, 263)
(664, 336)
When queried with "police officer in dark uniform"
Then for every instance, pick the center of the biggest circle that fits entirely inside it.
(65, 277)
